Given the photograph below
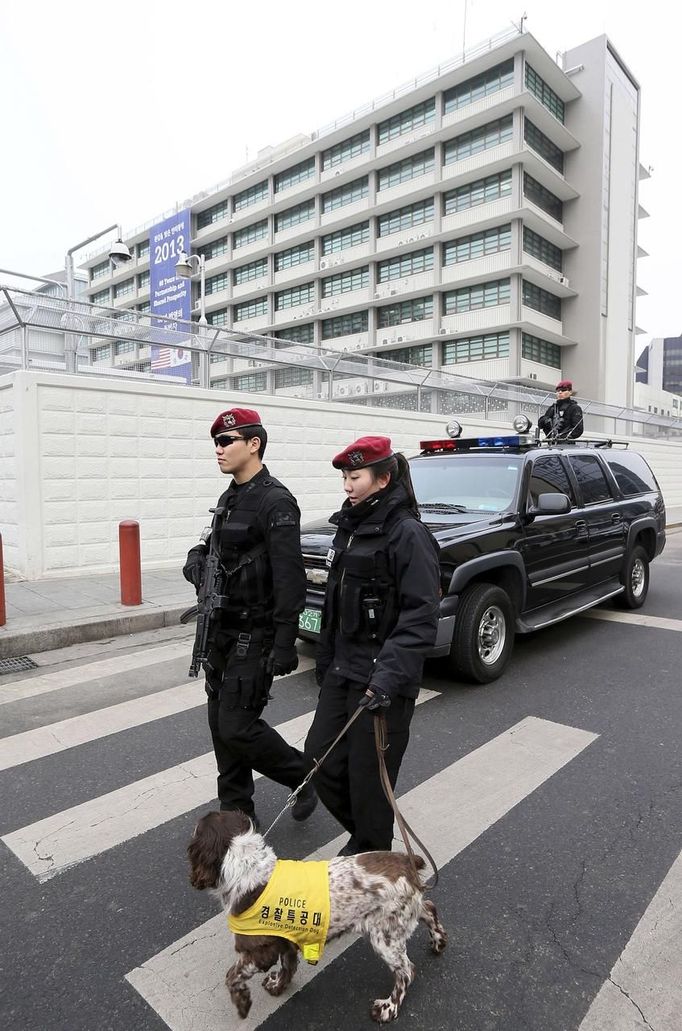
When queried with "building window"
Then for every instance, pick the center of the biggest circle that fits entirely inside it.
(403, 171)
(298, 174)
(292, 377)
(254, 194)
(143, 249)
(344, 325)
(422, 355)
(476, 349)
(479, 192)
(477, 245)
(543, 146)
(405, 265)
(218, 317)
(249, 234)
(406, 218)
(539, 195)
(545, 94)
(124, 346)
(214, 249)
(101, 297)
(216, 283)
(351, 236)
(211, 215)
(294, 216)
(541, 300)
(348, 194)
(542, 351)
(296, 295)
(143, 280)
(124, 289)
(495, 79)
(406, 121)
(351, 148)
(144, 307)
(254, 270)
(482, 295)
(294, 256)
(345, 282)
(101, 353)
(251, 381)
(542, 249)
(215, 357)
(297, 335)
(250, 309)
(416, 310)
(483, 138)
(100, 271)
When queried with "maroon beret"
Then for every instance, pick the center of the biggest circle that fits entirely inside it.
(235, 419)
(363, 452)
(564, 384)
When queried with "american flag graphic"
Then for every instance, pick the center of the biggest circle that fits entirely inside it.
(176, 360)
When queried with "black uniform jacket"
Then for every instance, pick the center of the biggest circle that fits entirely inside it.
(566, 417)
(410, 561)
(264, 511)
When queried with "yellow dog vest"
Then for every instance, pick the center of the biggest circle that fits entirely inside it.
(293, 905)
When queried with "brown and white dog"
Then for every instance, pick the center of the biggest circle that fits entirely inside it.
(375, 894)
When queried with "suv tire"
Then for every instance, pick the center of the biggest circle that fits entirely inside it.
(484, 633)
(635, 580)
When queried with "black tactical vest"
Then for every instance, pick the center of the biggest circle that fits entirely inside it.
(361, 600)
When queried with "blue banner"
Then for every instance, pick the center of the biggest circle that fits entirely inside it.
(169, 295)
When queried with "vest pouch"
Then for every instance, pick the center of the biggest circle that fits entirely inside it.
(372, 615)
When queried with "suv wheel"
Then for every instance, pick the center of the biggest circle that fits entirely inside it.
(484, 633)
(635, 580)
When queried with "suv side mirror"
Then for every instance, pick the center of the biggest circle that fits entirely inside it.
(551, 504)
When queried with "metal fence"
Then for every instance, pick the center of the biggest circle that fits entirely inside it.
(58, 335)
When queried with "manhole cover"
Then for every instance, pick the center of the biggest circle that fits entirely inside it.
(17, 665)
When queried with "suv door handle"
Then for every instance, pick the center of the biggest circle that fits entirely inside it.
(581, 527)
(616, 517)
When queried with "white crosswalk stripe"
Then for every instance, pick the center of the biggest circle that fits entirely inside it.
(78, 730)
(58, 842)
(644, 989)
(43, 683)
(184, 982)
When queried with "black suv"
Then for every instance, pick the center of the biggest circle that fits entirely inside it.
(530, 533)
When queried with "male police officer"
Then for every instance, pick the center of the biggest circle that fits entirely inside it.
(255, 638)
(564, 419)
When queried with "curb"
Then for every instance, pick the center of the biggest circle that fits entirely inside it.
(27, 642)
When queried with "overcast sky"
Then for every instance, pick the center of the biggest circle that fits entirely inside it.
(113, 112)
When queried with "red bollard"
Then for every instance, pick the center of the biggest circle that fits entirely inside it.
(3, 610)
(129, 560)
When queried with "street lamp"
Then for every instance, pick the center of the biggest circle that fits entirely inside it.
(185, 270)
(119, 254)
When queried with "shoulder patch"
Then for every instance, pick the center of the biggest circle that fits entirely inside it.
(284, 519)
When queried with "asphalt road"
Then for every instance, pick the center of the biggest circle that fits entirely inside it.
(552, 798)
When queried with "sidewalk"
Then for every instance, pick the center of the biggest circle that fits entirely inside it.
(45, 614)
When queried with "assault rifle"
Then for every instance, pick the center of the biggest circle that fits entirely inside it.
(212, 595)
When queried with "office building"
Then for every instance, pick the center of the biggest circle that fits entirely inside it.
(482, 221)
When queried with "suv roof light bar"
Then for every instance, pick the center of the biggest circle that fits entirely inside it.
(470, 443)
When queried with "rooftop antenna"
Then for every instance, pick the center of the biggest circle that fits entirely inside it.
(519, 27)
(464, 31)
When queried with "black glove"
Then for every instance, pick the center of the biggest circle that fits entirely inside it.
(193, 569)
(320, 674)
(281, 661)
(375, 698)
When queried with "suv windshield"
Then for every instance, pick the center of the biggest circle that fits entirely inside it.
(466, 483)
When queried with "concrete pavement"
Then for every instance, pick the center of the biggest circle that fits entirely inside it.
(45, 614)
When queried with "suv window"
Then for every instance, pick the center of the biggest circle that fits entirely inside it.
(549, 477)
(632, 474)
(591, 478)
(480, 483)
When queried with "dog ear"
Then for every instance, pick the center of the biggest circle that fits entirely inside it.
(206, 851)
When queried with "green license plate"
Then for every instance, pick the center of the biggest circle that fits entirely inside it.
(310, 620)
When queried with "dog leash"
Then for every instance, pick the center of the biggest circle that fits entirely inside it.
(291, 800)
(381, 742)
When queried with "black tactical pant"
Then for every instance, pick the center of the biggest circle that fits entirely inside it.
(242, 741)
(348, 781)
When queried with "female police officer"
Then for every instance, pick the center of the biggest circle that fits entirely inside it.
(380, 618)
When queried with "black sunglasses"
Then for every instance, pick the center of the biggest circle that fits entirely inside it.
(222, 440)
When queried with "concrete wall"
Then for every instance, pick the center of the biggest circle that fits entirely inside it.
(80, 454)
